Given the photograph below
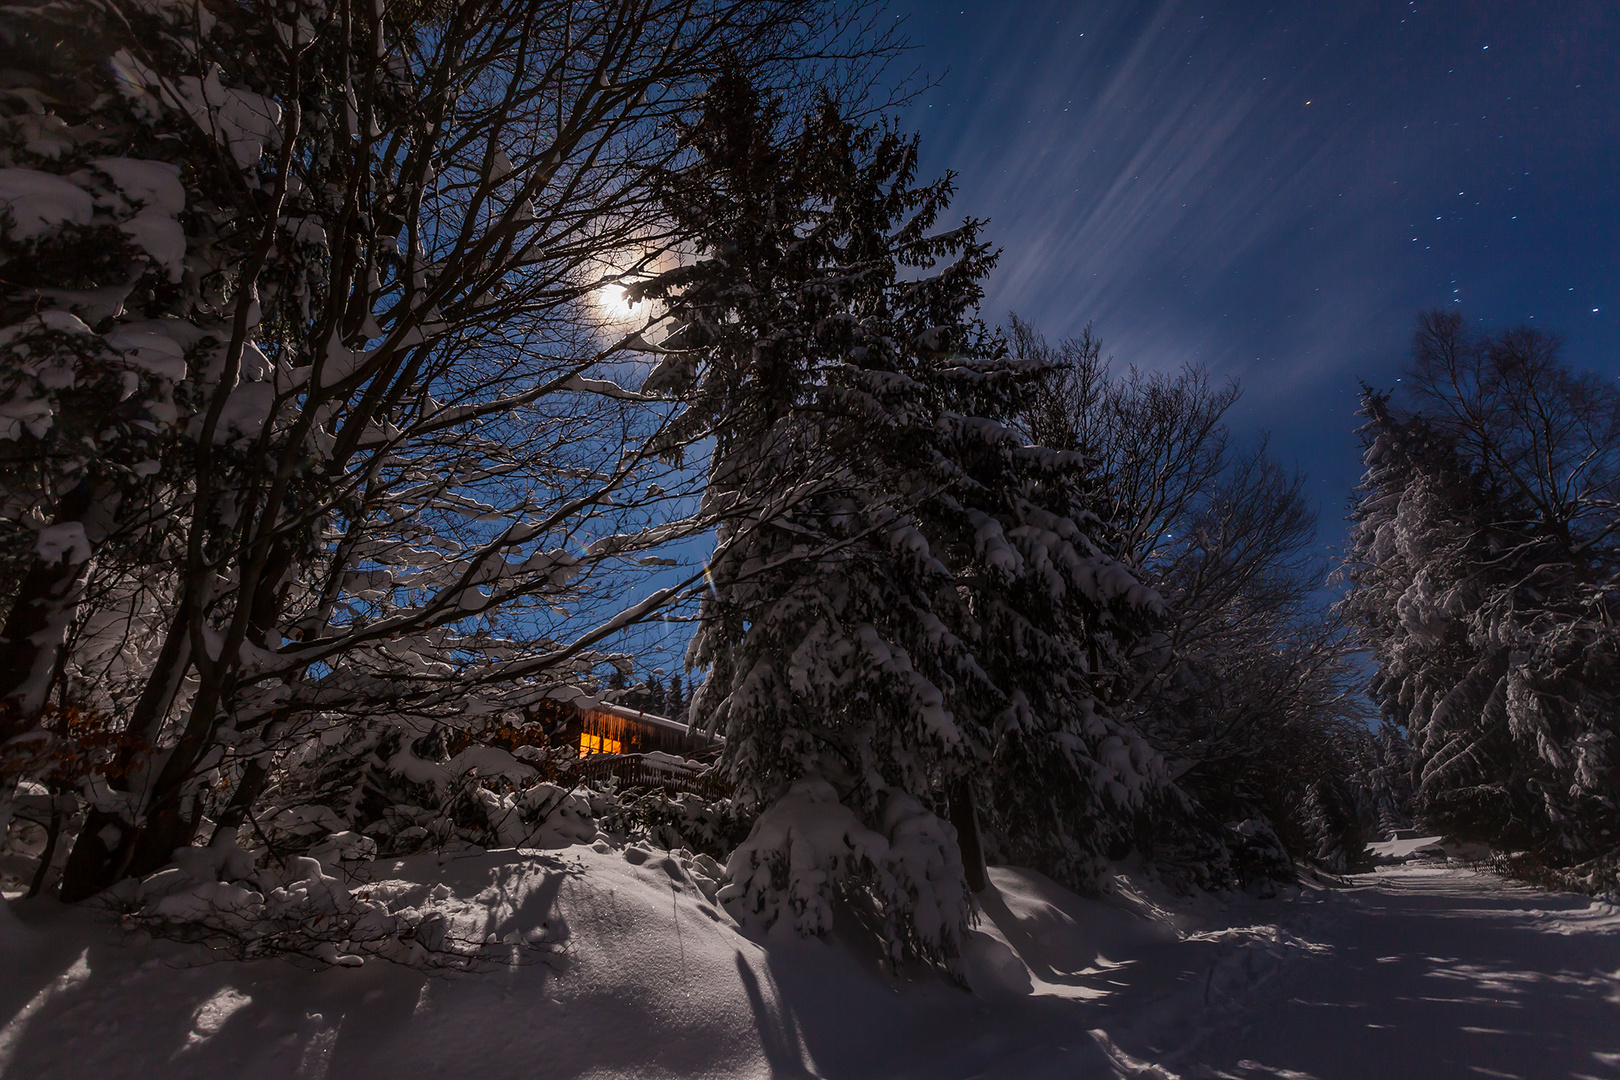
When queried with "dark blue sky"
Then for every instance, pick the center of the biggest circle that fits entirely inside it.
(1274, 190)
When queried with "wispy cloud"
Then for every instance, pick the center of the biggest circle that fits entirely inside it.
(1273, 190)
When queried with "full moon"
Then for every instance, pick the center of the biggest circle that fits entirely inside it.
(614, 302)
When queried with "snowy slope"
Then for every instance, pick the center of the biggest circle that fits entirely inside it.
(652, 980)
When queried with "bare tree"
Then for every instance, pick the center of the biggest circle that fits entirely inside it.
(1484, 568)
(1157, 441)
(1548, 436)
(404, 469)
(1247, 684)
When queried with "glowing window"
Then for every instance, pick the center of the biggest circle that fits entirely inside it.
(597, 744)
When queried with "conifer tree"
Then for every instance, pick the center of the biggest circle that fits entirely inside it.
(830, 674)
(913, 622)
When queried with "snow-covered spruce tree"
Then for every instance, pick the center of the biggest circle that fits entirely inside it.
(1484, 570)
(1051, 618)
(89, 239)
(851, 645)
(1383, 780)
(1245, 683)
(351, 249)
(829, 673)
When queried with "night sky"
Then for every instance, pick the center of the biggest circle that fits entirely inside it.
(1275, 190)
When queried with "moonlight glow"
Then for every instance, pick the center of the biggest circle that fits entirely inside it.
(615, 303)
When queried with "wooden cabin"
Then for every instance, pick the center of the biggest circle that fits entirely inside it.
(617, 729)
(635, 749)
(604, 728)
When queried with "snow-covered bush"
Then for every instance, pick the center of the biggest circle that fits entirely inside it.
(405, 794)
(248, 908)
(712, 826)
(808, 850)
(1599, 876)
(1259, 859)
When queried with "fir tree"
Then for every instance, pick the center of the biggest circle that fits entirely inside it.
(829, 672)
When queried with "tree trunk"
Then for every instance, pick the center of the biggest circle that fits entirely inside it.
(167, 825)
(140, 851)
(965, 816)
(95, 864)
(242, 800)
(167, 829)
(52, 831)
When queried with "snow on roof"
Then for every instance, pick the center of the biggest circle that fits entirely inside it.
(626, 713)
(1406, 847)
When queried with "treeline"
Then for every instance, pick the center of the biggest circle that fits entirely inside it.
(327, 467)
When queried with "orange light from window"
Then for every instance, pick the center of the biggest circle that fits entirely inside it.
(597, 744)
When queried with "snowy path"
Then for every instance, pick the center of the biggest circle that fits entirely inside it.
(1428, 972)
(1420, 972)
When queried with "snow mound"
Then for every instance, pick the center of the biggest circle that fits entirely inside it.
(808, 849)
(646, 976)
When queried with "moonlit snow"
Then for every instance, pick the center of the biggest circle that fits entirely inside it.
(1422, 969)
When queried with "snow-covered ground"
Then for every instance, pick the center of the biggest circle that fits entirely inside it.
(1433, 971)
(1415, 971)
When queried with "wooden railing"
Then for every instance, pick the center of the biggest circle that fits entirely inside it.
(653, 770)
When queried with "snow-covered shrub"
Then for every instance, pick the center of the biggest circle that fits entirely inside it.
(808, 850)
(25, 821)
(685, 819)
(404, 794)
(1599, 876)
(1259, 858)
(1190, 851)
(249, 906)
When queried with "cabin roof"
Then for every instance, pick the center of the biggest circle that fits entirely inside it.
(627, 713)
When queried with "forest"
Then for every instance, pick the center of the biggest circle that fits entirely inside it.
(377, 379)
